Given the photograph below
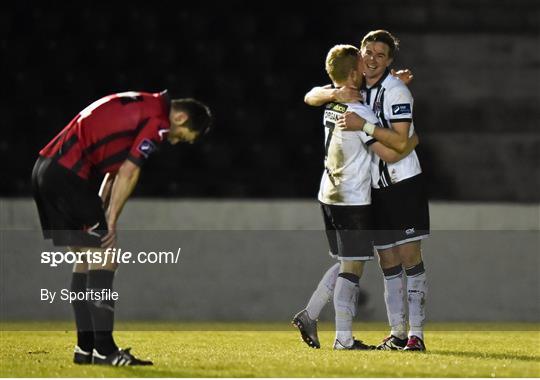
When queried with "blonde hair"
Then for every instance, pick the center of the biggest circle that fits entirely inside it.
(341, 59)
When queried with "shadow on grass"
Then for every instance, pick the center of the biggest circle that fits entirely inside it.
(479, 355)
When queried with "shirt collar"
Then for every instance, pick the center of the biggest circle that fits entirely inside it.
(166, 102)
(378, 83)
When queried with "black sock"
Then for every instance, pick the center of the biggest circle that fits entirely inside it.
(392, 271)
(415, 270)
(355, 279)
(102, 312)
(83, 320)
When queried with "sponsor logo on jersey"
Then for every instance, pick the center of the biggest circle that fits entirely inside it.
(146, 147)
(399, 109)
(337, 107)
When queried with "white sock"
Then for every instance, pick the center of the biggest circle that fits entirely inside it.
(395, 301)
(324, 292)
(417, 291)
(345, 300)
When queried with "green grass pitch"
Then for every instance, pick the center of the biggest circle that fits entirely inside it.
(274, 350)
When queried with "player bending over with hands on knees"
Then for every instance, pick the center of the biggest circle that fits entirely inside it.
(112, 137)
(345, 197)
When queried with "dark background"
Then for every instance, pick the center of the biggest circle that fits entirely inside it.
(476, 87)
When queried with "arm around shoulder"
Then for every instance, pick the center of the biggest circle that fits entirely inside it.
(320, 95)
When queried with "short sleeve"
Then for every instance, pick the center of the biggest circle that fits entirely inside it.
(399, 105)
(367, 139)
(367, 114)
(147, 141)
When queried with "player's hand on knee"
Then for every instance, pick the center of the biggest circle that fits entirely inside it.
(109, 240)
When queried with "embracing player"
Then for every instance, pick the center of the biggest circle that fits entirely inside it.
(345, 197)
(399, 195)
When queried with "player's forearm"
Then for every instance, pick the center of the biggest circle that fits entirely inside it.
(412, 143)
(391, 139)
(319, 96)
(386, 154)
(390, 155)
(123, 186)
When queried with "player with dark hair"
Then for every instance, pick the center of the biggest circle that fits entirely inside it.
(399, 197)
(112, 137)
(345, 197)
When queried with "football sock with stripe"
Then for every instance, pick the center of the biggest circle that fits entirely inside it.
(395, 302)
(345, 300)
(83, 320)
(324, 292)
(416, 291)
(102, 312)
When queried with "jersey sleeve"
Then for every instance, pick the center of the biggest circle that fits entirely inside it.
(399, 105)
(367, 114)
(147, 141)
(367, 139)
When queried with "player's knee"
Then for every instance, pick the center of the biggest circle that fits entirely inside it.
(110, 266)
(80, 267)
(352, 266)
(81, 264)
(388, 258)
(410, 254)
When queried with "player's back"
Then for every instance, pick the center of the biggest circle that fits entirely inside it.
(346, 179)
(111, 128)
(101, 135)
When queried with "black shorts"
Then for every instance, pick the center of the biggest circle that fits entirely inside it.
(70, 209)
(349, 231)
(401, 213)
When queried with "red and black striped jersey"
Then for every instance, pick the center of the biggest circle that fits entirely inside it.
(118, 127)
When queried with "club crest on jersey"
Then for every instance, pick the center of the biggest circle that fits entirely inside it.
(398, 109)
(146, 147)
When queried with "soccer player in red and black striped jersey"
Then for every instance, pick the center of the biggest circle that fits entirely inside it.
(110, 138)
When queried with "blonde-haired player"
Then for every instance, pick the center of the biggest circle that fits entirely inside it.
(345, 197)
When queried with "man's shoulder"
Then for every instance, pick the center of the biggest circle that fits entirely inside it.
(363, 111)
(394, 87)
(357, 106)
(393, 83)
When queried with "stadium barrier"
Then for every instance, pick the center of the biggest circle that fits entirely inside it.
(260, 260)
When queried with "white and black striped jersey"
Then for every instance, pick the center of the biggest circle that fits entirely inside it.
(392, 102)
(346, 179)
